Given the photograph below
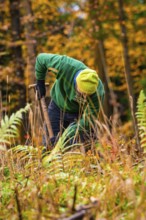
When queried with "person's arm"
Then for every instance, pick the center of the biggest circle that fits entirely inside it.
(44, 63)
(90, 113)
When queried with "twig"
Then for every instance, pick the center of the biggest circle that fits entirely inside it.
(74, 198)
(77, 216)
(81, 211)
(18, 204)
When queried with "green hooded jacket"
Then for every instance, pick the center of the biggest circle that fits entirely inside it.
(63, 91)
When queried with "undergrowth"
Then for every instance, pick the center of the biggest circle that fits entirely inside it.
(110, 177)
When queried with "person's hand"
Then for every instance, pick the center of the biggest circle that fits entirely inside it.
(41, 89)
(53, 141)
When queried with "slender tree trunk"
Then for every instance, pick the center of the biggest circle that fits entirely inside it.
(100, 58)
(30, 42)
(1, 12)
(29, 32)
(17, 52)
(128, 77)
(110, 104)
(18, 86)
(2, 46)
(1, 107)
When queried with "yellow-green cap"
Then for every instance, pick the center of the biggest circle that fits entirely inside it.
(87, 81)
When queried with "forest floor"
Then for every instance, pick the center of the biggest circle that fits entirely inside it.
(108, 182)
(107, 187)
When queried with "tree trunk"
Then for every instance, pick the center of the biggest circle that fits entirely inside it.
(30, 42)
(29, 32)
(18, 86)
(17, 52)
(110, 105)
(128, 77)
(2, 14)
(3, 32)
(1, 107)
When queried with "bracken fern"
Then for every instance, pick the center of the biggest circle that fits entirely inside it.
(62, 157)
(141, 118)
(9, 127)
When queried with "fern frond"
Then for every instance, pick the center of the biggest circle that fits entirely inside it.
(141, 118)
(59, 148)
(9, 126)
(64, 156)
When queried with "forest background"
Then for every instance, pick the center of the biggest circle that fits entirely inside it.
(109, 36)
(110, 179)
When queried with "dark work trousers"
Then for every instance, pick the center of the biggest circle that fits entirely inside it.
(60, 121)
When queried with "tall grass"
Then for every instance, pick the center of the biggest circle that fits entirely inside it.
(110, 173)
